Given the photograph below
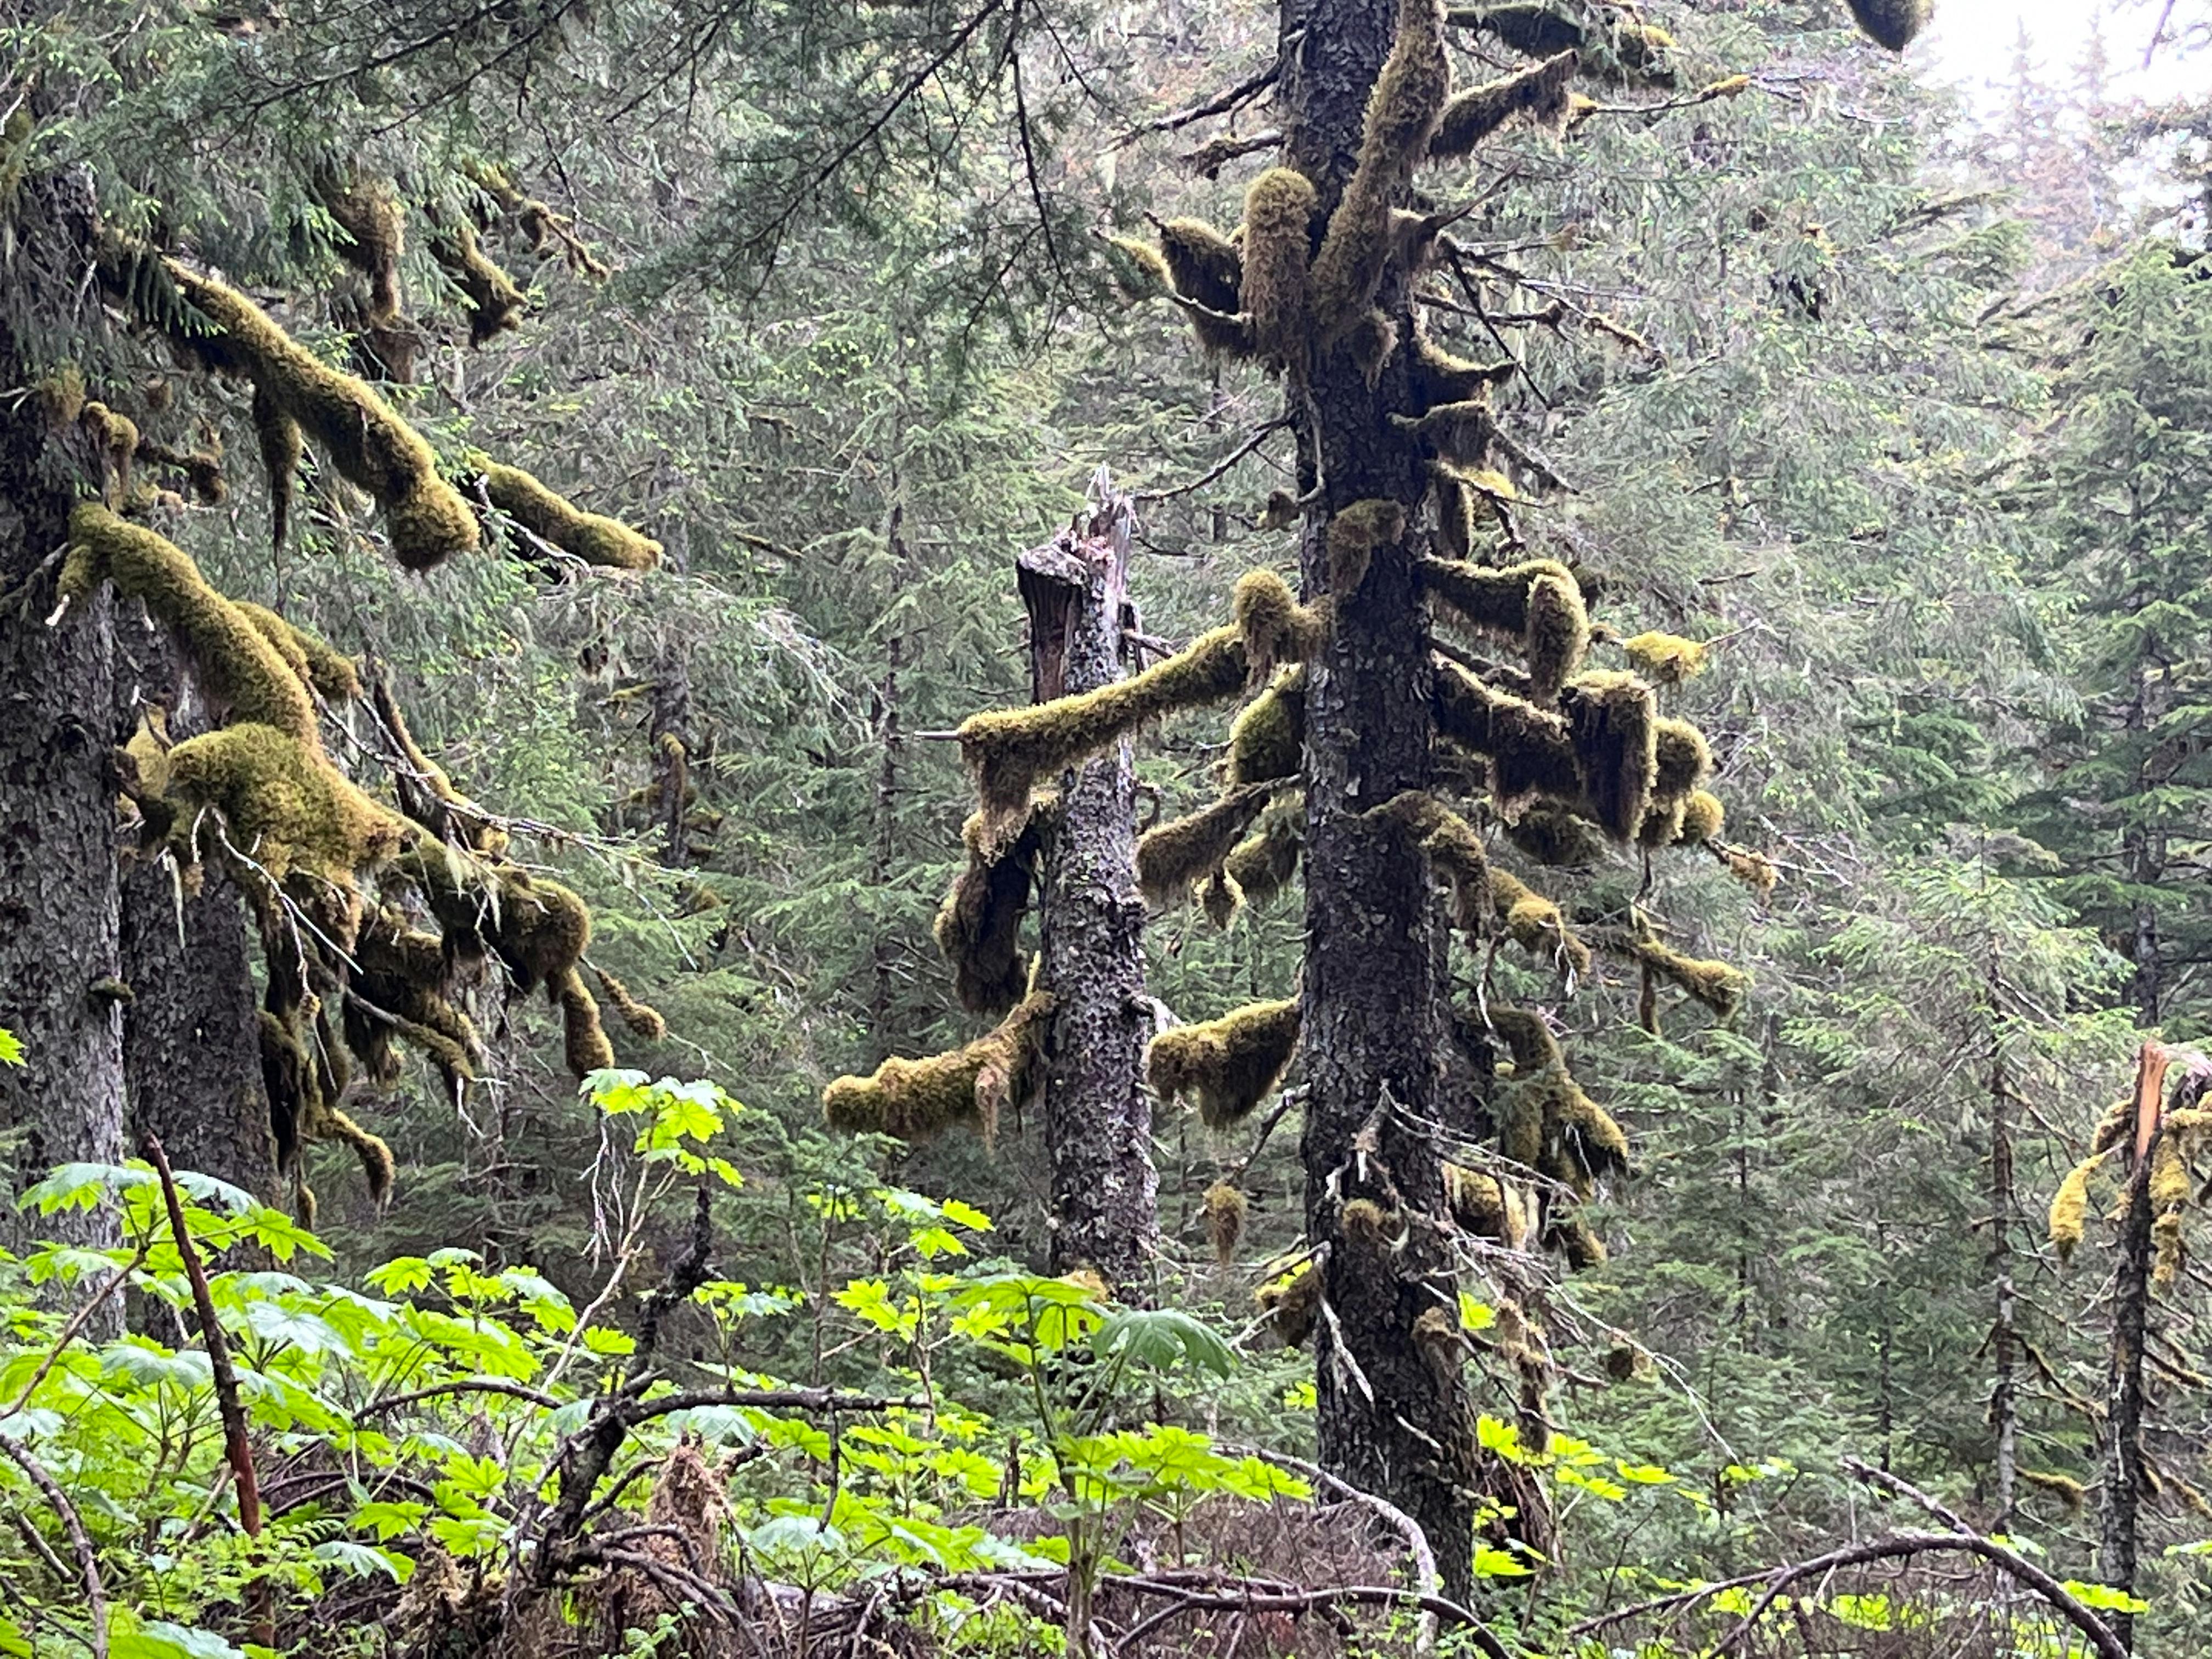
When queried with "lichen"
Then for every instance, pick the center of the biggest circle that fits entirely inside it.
(916, 1099)
(552, 517)
(1226, 1067)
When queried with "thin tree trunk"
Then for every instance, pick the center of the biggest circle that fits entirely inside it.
(892, 739)
(669, 730)
(1098, 1119)
(2004, 1335)
(61, 985)
(1394, 1420)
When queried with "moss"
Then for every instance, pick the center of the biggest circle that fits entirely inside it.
(427, 794)
(60, 396)
(283, 446)
(1753, 869)
(1403, 112)
(1490, 601)
(1539, 93)
(1279, 210)
(1536, 924)
(592, 537)
(1262, 864)
(2069, 1206)
(1221, 899)
(202, 468)
(1371, 339)
(585, 1044)
(1267, 740)
(644, 1020)
(1892, 23)
(369, 214)
(1203, 264)
(1528, 750)
(1354, 532)
(398, 990)
(1558, 636)
(1438, 377)
(1280, 511)
(915, 1099)
(353, 429)
(1455, 854)
(1226, 1065)
(1527, 1038)
(1715, 984)
(496, 302)
(1291, 1304)
(2064, 1487)
(2169, 1189)
(315, 660)
(1459, 514)
(1271, 625)
(1138, 269)
(979, 925)
(1225, 1208)
(1008, 750)
(1175, 857)
(1703, 818)
(1576, 1239)
(1613, 727)
(1484, 1206)
(286, 805)
(1667, 658)
(538, 928)
(1464, 432)
(115, 437)
(1553, 835)
(1684, 760)
(1589, 1132)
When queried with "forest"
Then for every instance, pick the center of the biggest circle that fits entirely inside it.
(876, 829)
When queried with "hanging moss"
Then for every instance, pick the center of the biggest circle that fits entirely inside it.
(1138, 269)
(1438, 377)
(2170, 1188)
(1271, 625)
(1528, 750)
(1715, 984)
(1575, 1239)
(241, 671)
(591, 537)
(1755, 870)
(1553, 835)
(1482, 1206)
(283, 447)
(585, 1044)
(114, 436)
(202, 468)
(1225, 1208)
(1221, 898)
(1459, 516)
(1683, 760)
(302, 1095)
(1490, 601)
(979, 925)
(1262, 864)
(1455, 854)
(496, 302)
(60, 396)
(1204, 265)
(2066, 1489)
(1558, 635)
(1667, 658)
(1267, 740)
(1291, 1304)
(287, 807)
(1527, 1038)
(1009, 750)
(1279, 210)
(1703, 818)
(1892, 23)
(1226, 1065)
(548, 233)
(352, 427)
(365, 209)
(1613, 727)
(1465, 433)
(398, 990)
(1372, 336)
(1539, 93)
(1536, 924)
(1280, 511)
(539, 929)
(915, 1099)
(1403, 112)
(1354, 533)
(644, 1020)
(1175, 857)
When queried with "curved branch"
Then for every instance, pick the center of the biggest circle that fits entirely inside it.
(95, 1598)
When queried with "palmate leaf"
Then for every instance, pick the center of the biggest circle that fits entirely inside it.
(1160, 1339)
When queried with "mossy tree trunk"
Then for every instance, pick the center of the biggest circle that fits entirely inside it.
(192, 1048)
(1392, 1420)
(1097, 1121)
(60, 969)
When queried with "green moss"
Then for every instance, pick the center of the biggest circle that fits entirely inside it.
(1683, 760)
(539, 929)
(1227, 1066)
(1176, 856)
(1455, 854)
(584, 1040)
(1221, 898)
(1464, 432)
(2170, 1188)
(1291, 1303)
(1262, 864)
(1354, 532)
(1558, 635)
(60, 396)
(1703, 818)
(316, 661)
(1279, 211)
(591, 537)
(1438, 377)
(1267, 740)
(1528, 750)
(1271, 625)
(1138, 269)
(286, 805)
(1612, 725)
(646, 1022)
(2069, 1490)
(1203, 264)
(1280, 511)
(496, 302)
(1667, 658)
(1554, 835)
(2069, 1206)
(1009, 750)
(1481, 1205)
(1715, 984)
(1494, 602)
(201, 468)
(366, 210)
(1892, 23)
(1369, 341)
(979, 925)
(1535, 923)
(1538, 93)
(1403, 112)
(283, 447)
(1224, 1209)
(353, 429)
(915, 1099)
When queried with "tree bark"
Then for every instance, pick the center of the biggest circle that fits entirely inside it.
(1393, 1420)
(1097, 1119)
(2004, 1333)
(61, 985)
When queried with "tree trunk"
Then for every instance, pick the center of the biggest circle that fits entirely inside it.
(891, 734)
(61, 985)
(1098, 1119)
(670, 732)
(1392, 1419)
(191, 1043)
(2004, 1334)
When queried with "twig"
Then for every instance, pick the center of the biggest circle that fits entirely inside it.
(1265, 429)
(1220, 104)
(463, 1385)
(77, 1322)
(95, 1598)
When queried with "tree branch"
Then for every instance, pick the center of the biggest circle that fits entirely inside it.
(95, 1598)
